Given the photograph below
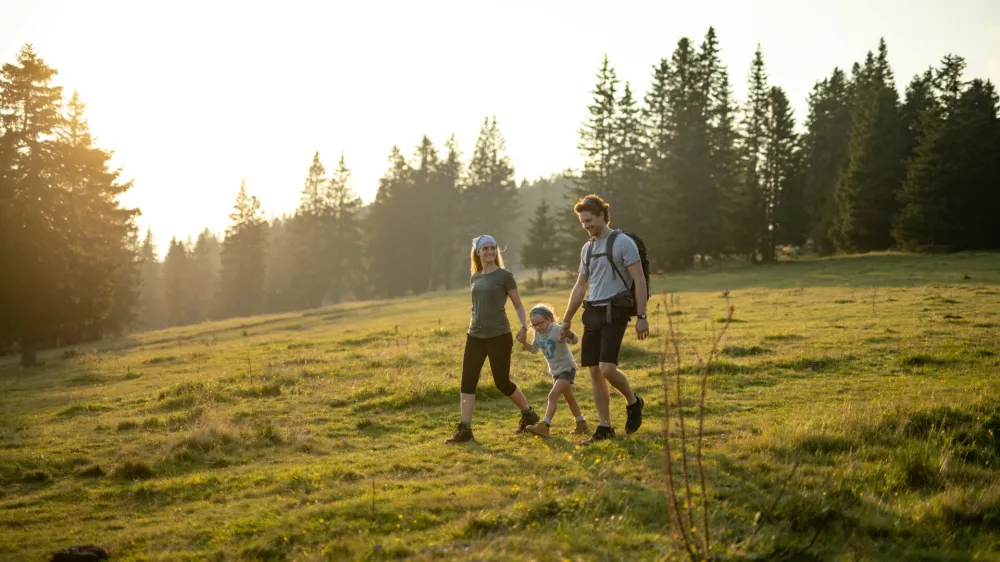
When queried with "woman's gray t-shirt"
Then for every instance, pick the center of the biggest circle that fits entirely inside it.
(489, 295)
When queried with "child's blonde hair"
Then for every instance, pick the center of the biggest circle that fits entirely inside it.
(543, 309)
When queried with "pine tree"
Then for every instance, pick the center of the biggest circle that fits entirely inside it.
(781, 178)
(242, 278)
(127, 283)
(659, 125)
(314, 198)
(205, 260)
(866, 193)
(177, 285)
(919, 99)
(451, 231)
(975, 202)
(382, 228)
(60, 233)
(825, 155)
(598, 140)
(539, 250)
(282, 258)
(345, 235)
(491, 192)
(949, 199)
(750, 219)
(689, 194)
(722, 140)
(419, 202)
(310, 232)
(103, 246)
(151, 305)
(628, 170)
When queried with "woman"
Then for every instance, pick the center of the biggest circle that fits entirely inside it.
(489, 335)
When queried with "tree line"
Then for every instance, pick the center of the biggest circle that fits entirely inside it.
(699, 176)
(703, 179)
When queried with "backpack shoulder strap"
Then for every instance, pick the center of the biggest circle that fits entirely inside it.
(590, 250)
(609, 250)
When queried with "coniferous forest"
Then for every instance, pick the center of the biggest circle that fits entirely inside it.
(702, 176)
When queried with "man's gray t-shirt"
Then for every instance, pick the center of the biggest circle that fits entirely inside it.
(604, 283)
(489, 295)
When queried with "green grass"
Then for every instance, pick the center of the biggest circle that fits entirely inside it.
(319, 435)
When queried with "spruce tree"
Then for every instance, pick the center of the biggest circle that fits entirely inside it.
(688, 194)
(242, 277)
(825, 155)
(491, 191)
(59, 235)
(749, 219)
(949, 199)
(177, 285)
(659, 125)
(310, 241)
(974, 205)
(205, 260)
(539, 250)
(598, 140)
(345, 237)
(284, 255)
(628, 170)
(722, 138)
(781, 178)
(866, 193)
(127, 282)
(103, 234)
(419, 203)
(383, 232)
(452, 231)
(919, 98)
(151, 304)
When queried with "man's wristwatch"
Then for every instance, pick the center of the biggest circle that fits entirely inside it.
(642, 316)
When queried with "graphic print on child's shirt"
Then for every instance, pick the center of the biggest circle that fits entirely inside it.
(556, 350)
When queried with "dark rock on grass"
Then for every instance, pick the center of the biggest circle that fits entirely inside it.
(86, 553)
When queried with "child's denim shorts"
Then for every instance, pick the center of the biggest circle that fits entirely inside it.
(565, 376)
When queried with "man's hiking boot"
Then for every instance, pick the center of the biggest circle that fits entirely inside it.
(463, 434)
(634, 419)
(540, 429)
(600, 434)
(527, 418)
(581, 428)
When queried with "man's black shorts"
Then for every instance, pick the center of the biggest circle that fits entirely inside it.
(602, 340)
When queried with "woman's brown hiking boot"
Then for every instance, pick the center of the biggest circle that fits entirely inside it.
(581, 428)
(529, 417)
(463, 434)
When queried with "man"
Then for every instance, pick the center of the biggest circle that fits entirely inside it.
(607, 311)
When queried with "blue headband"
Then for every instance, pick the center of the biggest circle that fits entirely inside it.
(478, 241)
(541, 311)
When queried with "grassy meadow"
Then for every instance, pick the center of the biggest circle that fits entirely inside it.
(855, 406)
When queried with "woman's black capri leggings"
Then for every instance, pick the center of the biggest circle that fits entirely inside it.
(498, 349)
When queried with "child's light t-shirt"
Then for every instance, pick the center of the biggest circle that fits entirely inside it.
(556, 351)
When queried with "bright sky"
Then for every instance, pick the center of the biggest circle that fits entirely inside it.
(195, 96)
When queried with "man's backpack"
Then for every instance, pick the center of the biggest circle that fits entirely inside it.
(609, 251)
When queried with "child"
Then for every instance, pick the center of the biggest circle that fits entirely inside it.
(562, 366)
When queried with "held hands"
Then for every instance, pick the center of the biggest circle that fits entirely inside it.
(522, 335)
(565, 332)
(641, 329)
